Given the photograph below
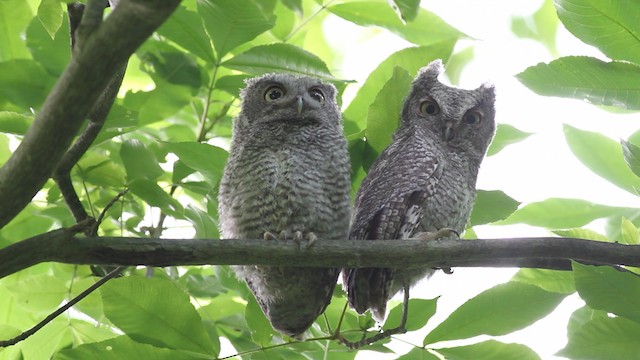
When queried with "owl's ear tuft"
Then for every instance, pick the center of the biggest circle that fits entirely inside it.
(432, 70)
(488, 92)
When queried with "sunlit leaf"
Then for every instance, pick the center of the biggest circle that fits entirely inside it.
(603, 156)
(581, 233)
(205, 226)
(558, 213)
(420, 311)
(541, 26)
(491, 206)
(24, 83)
(629, 232)
(410, 59)
(505, 135)
(418, 353)
(631, 153)
(14, 17)
(497, 311)
(39, 292)
(611, 26)
(582, 316)
(208, 160)
(604, 338)
(14, 123)
(605, 288)
(407, 9)
(384, 112)
(549, 280)
(586, 78)
(279, 58)
(489, 350)
(155, 311)
(152, 194)
(425, 29)
(139, 161)
(50, 15)
(185, 28)
(261, 331)
(232, 22)
(122, 347)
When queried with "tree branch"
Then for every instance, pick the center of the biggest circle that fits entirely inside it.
(549, 253)
(96, 59)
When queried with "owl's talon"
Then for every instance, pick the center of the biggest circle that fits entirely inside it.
(269, 236)
(445, 269)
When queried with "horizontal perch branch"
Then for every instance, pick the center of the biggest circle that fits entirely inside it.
(550, 253)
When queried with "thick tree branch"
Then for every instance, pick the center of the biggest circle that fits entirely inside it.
(98, 56)
(549, 253)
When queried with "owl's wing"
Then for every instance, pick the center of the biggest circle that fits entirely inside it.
(389, 206)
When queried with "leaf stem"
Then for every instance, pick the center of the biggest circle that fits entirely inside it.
(306, 21)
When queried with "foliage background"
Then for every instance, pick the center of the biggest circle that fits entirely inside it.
(165, 138)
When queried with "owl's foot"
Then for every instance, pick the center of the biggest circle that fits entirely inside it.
(310, 238)
(442, 233)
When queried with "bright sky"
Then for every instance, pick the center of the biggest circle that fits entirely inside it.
(538, 168)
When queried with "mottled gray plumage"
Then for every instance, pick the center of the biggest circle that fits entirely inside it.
(423, 182)
(288, 172)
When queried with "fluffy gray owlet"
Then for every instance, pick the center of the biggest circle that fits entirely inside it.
(288, 176)
(423, 182)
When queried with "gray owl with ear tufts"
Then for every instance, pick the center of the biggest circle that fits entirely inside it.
(425, 181)
(287, 178)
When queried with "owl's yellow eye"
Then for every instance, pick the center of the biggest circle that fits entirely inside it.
(317, 95)
(472, 117)
(274, 93)
(429, 107)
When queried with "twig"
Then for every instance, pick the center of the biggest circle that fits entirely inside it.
(62, 309)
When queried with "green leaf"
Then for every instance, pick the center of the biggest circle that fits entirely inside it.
(261, 331)
(558, 213)
(208, 160)
(232, 22)
(605, 288)
(604, 338)
(53, 54)
(279, 58)
(410, 59)
(420, 311)
(172, 65)
(612, 27)
(155, 311)
(581, 233)
(160, 103)
(185, 28)
(139, 161)
(582, 316)
(541, 26)
(100, 170)
(426, 29)
(418, 353)
(629, 232)
(505, 135)
(294, 5)
(549, 280)
(586, 78)
(122, 347)
(491, 206)
(384, 112)
(407, 9)
(152, 194)
(497, 311)
(14, 123)
(50, 15)
(205, 226)
(38, 293)
(489, 350)
(24, 83)
(631, 155)
(603, 156)
(286, 21)
(14, 17)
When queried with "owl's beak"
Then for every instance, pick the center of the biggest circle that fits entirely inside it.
(299, 104)
(448, 133)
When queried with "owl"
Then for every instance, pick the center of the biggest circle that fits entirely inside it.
(423, 182)
(287, 178)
